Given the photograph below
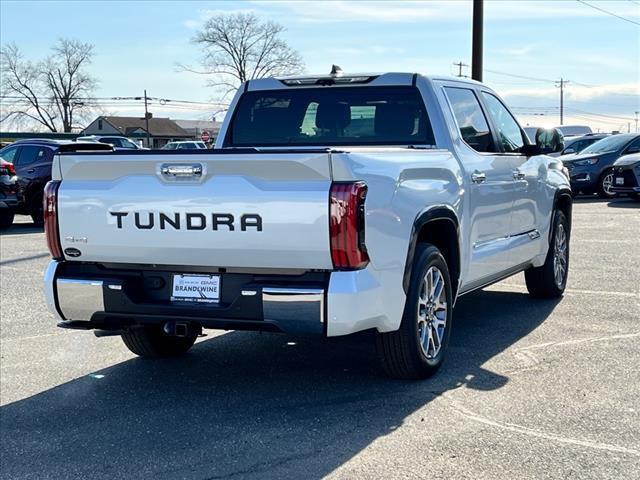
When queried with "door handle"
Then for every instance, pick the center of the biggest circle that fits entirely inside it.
(181, 170)
(478, 177)
(31, 170)
(518, 175)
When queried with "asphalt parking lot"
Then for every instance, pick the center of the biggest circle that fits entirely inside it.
(531, 389)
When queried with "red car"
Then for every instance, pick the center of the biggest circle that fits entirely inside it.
(10, 195)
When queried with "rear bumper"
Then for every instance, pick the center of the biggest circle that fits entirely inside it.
(324, 303)
(111, 300)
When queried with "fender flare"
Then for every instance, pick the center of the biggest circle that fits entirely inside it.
(431, 214)
(562, 193)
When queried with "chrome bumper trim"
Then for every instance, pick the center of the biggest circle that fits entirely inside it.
(295, 310)
(49, 293)
(79, 299)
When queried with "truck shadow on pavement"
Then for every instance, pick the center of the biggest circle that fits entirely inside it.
(248, 405)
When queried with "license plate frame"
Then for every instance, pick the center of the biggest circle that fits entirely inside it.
(195, 288)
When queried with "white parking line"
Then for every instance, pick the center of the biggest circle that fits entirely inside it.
(537, 433)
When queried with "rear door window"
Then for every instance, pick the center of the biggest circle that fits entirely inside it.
(472, 123)
(30, 154)
(331, 116)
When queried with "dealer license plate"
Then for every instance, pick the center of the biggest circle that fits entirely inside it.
(619, 180)
(195, 288)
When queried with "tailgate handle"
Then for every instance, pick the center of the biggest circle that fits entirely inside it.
(181, 170)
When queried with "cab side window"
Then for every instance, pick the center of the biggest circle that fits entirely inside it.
(509, 133)
(471, 120)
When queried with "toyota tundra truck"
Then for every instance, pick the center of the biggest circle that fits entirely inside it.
(331, 204)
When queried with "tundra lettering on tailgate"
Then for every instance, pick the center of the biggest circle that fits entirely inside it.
(188, 221)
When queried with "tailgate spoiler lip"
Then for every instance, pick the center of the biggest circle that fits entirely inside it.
(221, 151)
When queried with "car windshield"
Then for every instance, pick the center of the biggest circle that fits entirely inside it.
(609, 144)
(331, 116)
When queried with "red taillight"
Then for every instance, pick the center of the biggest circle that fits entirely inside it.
(51, 219)
(11, 170)
(346, 210)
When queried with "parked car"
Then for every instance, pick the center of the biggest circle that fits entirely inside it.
(578, 143)
(118, 143)
(626, 176)
(574, 130)
(591, 170)
(9, 193)
(195, 145)
(32, 162)
(330, 205)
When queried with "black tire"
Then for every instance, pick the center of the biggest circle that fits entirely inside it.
(604, 183)
(542, 281)
(6, 219)
(401, 353)
(152, 342)
(37, 210)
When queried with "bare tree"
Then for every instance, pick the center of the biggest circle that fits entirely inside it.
(52, 92)
(240, 47)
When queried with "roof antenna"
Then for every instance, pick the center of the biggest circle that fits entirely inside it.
(336, 71)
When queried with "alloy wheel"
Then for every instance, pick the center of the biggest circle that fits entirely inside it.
(560, 255)
(607, 184)
(432, 312)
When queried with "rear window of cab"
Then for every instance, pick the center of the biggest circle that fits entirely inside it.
(330, 116)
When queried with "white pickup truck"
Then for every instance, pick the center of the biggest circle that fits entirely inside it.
(330, 205)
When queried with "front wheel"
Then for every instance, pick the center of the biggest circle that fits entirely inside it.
(417, 349)
(550, 280)
(605, 185)
(152, 342)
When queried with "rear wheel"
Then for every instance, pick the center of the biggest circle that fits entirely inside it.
(152, 342)
(37, 210)
(605, 185)
(6, 219)
(417, 349)
(550, 280)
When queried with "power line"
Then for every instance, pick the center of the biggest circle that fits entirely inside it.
(497, 72)
(599, 114)
(609, 13)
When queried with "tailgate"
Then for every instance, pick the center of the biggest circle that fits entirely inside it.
(219, 209)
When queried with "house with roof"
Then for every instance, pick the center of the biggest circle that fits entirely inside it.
(161, 130)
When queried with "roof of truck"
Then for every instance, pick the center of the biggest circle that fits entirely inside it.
(348, 79)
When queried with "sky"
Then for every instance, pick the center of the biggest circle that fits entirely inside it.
(528, 45)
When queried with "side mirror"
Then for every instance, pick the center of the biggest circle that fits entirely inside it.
(568, 151)
(549, 140)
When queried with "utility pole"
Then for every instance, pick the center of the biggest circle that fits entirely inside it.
(476, 48)
(460, 65)
(561, 83)
(146, 119)
(637, 113)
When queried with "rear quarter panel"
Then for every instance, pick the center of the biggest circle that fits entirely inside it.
(402, 183)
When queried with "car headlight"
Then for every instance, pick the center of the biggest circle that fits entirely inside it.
(584, 163)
